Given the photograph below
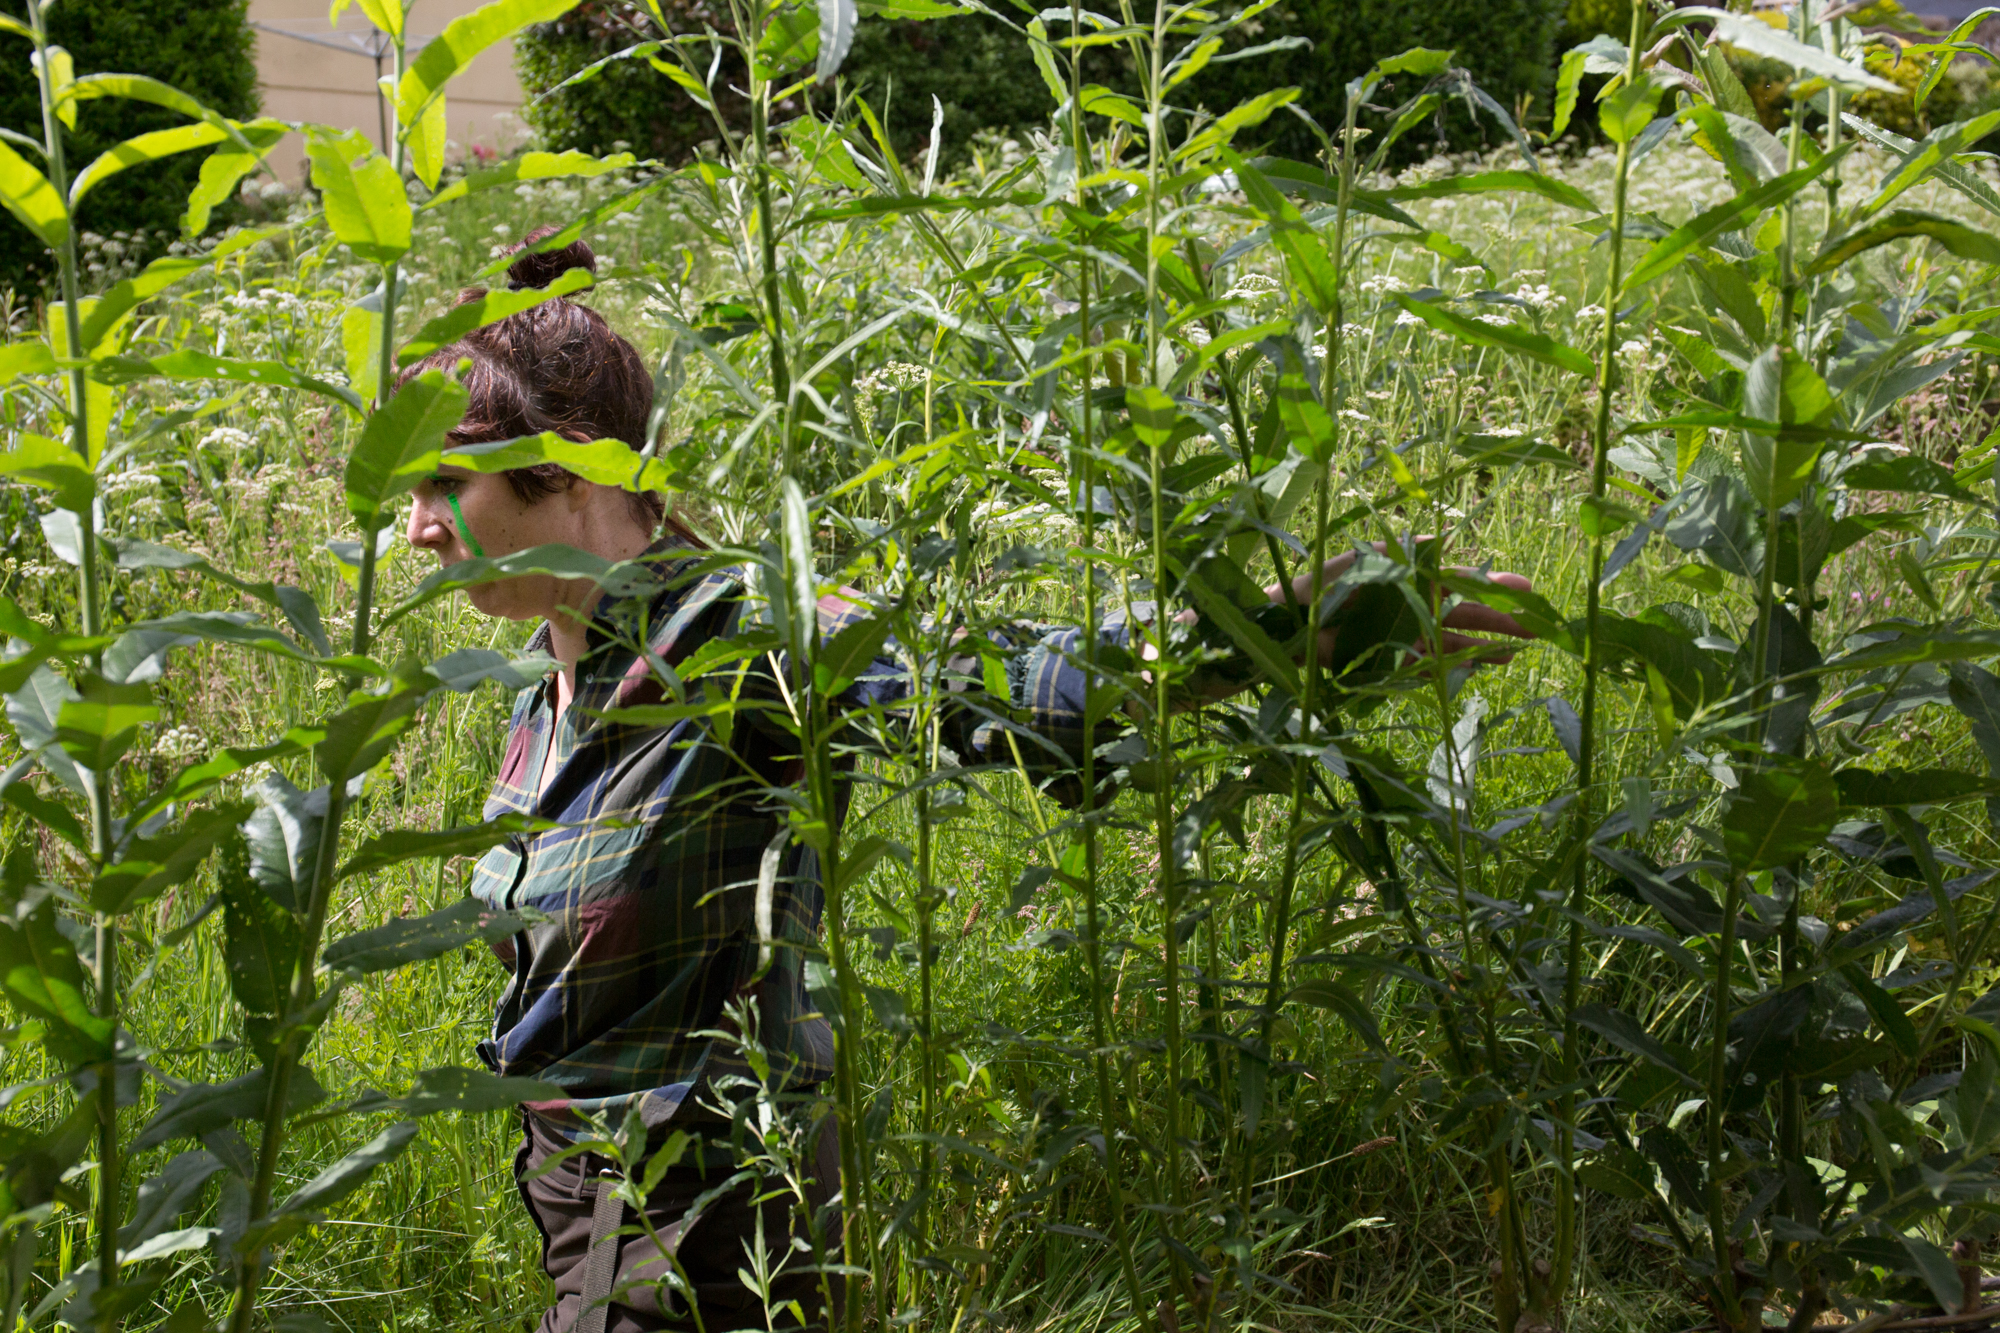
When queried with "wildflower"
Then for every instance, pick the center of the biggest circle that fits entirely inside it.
(1352, 415)
(1632, 347)
(1538, 297)
(1499, 321)
(228, 438)
(1251, 285)
(1589, 312)
(1407, 320)
(1384, 282)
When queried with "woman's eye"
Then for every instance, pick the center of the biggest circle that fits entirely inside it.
(445, 485)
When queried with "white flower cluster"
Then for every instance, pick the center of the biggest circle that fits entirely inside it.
(120, 482)
(229, 438)
(1250, 286)
(1537, 296)
(1383, 283)
(180, 741)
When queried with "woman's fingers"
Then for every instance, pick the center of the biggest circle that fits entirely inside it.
(1481, 619)
(1302, 584)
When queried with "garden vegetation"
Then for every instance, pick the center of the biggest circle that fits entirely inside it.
(1647, 981)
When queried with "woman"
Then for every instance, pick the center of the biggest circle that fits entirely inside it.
(646, 896)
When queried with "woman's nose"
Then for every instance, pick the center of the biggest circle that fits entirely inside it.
(427, 531)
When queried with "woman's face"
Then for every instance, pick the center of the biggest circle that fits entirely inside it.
(502, 523)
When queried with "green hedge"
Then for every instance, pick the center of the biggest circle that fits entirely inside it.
(203, 47)
(984, 77)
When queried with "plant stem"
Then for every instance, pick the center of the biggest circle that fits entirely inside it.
(767, 238)
(295, 1036)
(1093, 934)
(1593, 666)
(1718, 1089)
(97, 794)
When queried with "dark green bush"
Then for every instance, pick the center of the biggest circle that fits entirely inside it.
(627, 103)
(203, 47)
(1508, 45)
(983, 75)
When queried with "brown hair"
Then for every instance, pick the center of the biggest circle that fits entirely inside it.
(554, 367)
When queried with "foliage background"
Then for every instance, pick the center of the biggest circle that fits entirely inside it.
(983, 76)
(203, 47)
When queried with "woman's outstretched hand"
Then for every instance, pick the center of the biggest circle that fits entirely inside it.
(1466, 616)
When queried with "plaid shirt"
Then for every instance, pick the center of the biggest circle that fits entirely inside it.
(647, 904)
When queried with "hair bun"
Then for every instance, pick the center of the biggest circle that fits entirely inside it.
(539, 270)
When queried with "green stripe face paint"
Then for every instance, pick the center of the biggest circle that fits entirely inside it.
(464, 531)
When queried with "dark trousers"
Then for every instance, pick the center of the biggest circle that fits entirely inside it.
(710, 1252)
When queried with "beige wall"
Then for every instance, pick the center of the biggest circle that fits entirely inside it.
(305, 81)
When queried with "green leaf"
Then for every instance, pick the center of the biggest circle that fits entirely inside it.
(1305, 253)
(1967, 242)
(1889, 1015)
(389, 849)
(1733, 215)
(1629, 1034)
(148, 867)
(1537, 346)
(361, 192)
(1778, 815)
(45, 462)
(1754, 35)
(361, 735)
(453, 1088)
(848, 653)
(605, 462)
(1335, 996)
(167, 1195)
(348, 1174)
(1487, 182)
(617, 579)
(1783, 387)
(29, 197)
(1926, 157)
(260, 942)
(202, 1108)
(447, 54)
(418, 939)
(1908, 474)
(535, 166)
(1902, 787)
(1154, 415)
(141, 149)
(1620, 1172)
(1569, 76)
(490, 308)
(400, 445)
(837, 19)
(97, 728)
(224, 169)
(1940, 1274)
(1629, 109)
(188, 364)
(1270, 658)
(31, 357)
(1923, 646)
(115, 304)
(1038, 46)
(42, 975)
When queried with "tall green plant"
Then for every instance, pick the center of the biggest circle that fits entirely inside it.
(77, 698)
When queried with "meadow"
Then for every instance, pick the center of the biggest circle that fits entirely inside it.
(1640, 983)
